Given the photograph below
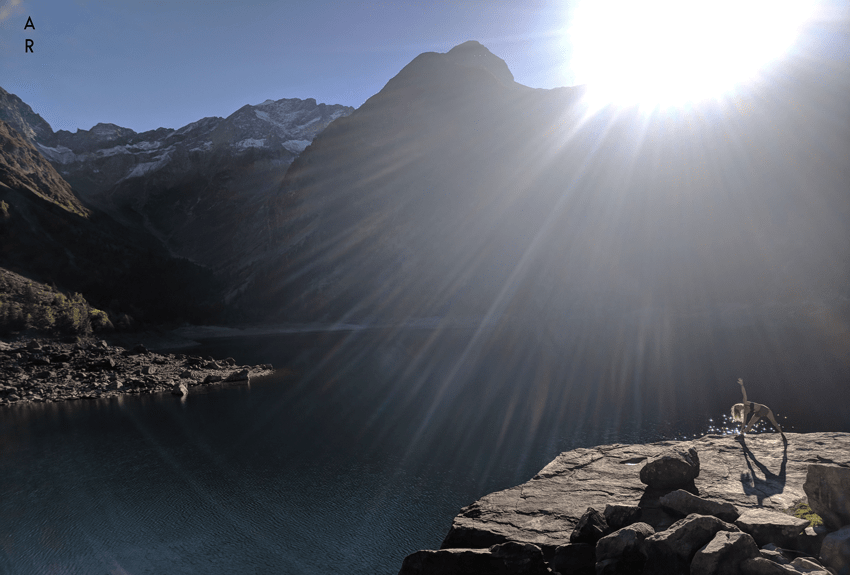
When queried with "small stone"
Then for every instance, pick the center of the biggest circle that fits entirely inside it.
(180, 389)
(212, 378)
(139, 349)
(148, 370)
(242, 375)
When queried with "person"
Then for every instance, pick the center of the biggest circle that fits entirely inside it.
(754, 412)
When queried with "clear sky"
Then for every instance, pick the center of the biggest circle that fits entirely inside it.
(144, 64)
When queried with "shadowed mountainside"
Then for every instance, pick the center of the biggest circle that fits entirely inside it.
(48, 235)
(456, 191)
(201, 189)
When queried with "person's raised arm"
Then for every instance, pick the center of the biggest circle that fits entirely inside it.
(743, 391)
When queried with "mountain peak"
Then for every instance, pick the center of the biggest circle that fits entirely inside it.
(476, 55)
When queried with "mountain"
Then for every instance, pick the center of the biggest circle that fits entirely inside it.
(23, 168)
(200, 189)
(456, 191)
(49, 235)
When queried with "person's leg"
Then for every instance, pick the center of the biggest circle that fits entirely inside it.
(753, 420)
(775, 425)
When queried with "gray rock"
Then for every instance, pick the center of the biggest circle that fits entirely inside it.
(671, 551)
(618, 515)
(682, 503)
(772, 553)
(148, 370)
(724, 554)
(590, 528)
(574, 558)
(828, 490)
(674, 468)
(810, 540)
(624, 544)
(835, 550)
(762, 566)
(546, 509)
(768, 526)
(809, 565)
(508, 558)
(188, 374)
(180, 389)
(241, 375)
(212, 378)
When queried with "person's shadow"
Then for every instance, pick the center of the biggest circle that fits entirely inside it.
(772, 483)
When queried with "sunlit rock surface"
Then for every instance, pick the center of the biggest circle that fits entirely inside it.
(761, 472)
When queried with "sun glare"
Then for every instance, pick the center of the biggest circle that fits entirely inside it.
(663, 52)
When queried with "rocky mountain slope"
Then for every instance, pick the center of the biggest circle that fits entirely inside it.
(200, 189)
(49, 235)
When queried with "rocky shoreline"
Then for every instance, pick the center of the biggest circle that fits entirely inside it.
(711, 506)
(50, 370)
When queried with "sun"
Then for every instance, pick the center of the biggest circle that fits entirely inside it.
(663, 52)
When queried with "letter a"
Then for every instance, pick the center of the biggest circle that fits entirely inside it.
(29, 23)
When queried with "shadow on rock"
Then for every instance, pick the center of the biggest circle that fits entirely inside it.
(771, 484)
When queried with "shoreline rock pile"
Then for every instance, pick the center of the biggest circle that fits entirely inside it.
(39, 371)
(708, 507)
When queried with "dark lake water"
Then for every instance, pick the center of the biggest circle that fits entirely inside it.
(359, 452)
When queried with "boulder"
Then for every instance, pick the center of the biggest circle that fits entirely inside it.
(241, 375)
(139, 349)
(618, 515)
(212, 378)
(574, 558)
(623, 546)
(148, 370)
(508, 558)
(674, 468)
(724, 554)
(762, 566)
(835, 550)
(180, 389)
(671, 551)
(828, 490)
(768, 526)
(590, 528)
(682, 503)
(809, 565)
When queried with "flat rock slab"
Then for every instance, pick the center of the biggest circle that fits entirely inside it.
(767, 526)
(757, 472)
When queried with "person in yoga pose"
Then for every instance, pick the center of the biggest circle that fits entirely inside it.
(749, 410)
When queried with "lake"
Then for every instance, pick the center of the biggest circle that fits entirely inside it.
(358, 451)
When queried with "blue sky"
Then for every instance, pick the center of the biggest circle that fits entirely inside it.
(149, 63)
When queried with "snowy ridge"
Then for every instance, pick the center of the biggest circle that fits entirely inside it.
(116, 154)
